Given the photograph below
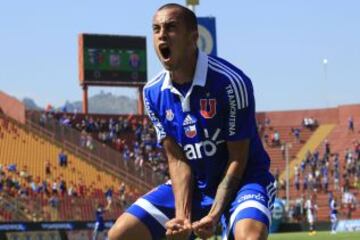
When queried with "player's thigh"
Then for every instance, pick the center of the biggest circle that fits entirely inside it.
(150, 212)
(129, 227)
(250, 229)
(249, 216)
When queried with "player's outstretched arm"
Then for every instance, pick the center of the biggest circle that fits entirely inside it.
(182, 184)
(238, 155)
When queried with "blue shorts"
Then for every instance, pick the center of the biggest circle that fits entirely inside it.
(253, 201)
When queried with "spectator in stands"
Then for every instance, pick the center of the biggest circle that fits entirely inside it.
(296, 170)
(298, 211)
(336, 180)
(54, 203)
(122, 195)
(120, 144)
(305, 184)
(43, 119)
(267, 122)
(44, 187)
(266, 138)
(62, 187)
(349, 202)
(71, 190)
(99, 223)
(302, 167)
(310, 123)
(108, 196)
(126, 156)
(65, 121)
(325, 182)
(139, 163)
(89, 142)
(47, 168)
(277, 174)
(351, 124)
(327, 147)
(275, 140)
(23, 191)
(33, 186)
(11, 167)
(83, 138)
(63, 159)
(297, 182)
(283, 150)
(24, 173)
(296, 133)
(54, 187)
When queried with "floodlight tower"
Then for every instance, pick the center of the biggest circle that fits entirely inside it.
(325, 64)
(191, 4)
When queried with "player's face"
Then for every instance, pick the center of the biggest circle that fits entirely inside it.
(173, 42)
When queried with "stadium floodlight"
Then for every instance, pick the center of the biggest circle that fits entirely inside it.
(325, 64)
(191, 4)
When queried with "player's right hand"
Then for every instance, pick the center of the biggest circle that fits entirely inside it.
(205, 228)
(178, 229)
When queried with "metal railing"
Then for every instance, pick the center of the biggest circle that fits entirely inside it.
(101, 155)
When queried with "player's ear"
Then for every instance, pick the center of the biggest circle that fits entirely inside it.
(194, 37)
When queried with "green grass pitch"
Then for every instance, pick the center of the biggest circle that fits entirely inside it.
(317, 236)
(304, 235)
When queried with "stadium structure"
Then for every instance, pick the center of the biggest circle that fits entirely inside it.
(56, 167)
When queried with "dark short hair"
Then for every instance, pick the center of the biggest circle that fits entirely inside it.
(189, 16)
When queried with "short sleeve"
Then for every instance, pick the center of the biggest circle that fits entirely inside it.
(154, 117)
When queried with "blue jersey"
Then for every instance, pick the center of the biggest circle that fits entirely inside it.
(333, 207)
(99, 214)
(218, 107)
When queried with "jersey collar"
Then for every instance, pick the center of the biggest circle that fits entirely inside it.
(199, 76)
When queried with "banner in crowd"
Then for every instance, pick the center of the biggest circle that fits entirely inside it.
(277, 215)
(43, 235)
(84, 235)
(48, 226)
(348, 225)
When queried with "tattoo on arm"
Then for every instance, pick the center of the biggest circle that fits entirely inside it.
(226, 189)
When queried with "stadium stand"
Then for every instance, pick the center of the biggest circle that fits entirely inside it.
(24, 156)
(103, 151)
(335, 130)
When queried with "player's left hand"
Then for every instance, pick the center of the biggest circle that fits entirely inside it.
(205, 228)
(178, 229)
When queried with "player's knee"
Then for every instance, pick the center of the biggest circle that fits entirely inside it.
(113, 234)
(128, 227)
(117, 231)
(250, 235)
(250, 230)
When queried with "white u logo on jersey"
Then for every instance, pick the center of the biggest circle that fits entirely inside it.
(204, 148)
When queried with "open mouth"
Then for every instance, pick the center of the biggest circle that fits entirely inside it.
(165, 52)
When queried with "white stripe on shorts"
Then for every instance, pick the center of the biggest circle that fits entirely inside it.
(152, 210)
(248, 204)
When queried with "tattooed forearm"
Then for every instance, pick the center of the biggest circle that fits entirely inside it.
(226, 189)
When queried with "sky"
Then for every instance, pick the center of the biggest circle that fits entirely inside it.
(280, 44)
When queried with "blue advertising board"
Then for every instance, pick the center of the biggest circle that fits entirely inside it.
(207, 35)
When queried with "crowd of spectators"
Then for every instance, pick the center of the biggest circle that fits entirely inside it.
(310, 123)
(273, 138)
(26, 189)
(133, 137)
(317, 172)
